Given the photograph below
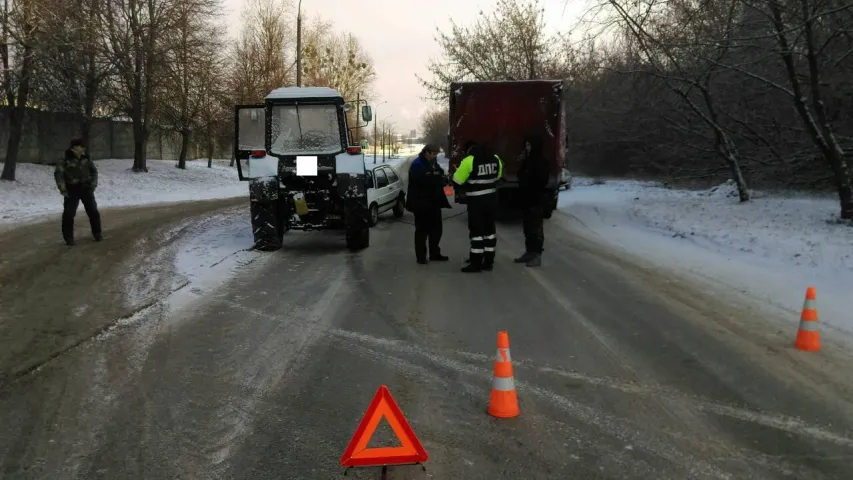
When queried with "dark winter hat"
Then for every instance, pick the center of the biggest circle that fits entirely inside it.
(77, 143)
(536, 144)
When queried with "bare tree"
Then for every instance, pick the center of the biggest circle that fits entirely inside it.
(336, 60)
(802, 35)
(136, 47)
(796, 26)
(388, 134)
(191, 39)
(509, 43)
(261, 57)
(669, 36)
(73, 61)
(435, 125)
(214, 115)
(23, 29)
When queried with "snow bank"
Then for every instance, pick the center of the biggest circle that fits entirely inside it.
(34, 192)
(772, 247)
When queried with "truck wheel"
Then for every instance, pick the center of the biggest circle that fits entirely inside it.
(266, 228)
(358, 239)
(400, 206)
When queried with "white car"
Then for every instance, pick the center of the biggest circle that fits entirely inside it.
(386, 194)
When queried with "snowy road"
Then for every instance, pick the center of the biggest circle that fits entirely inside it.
(260, 365)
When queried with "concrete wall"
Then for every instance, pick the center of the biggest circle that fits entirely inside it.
(46, 136)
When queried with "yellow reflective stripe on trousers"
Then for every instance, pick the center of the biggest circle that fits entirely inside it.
(503, 384)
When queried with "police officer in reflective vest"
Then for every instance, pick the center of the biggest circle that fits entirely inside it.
(477, 176)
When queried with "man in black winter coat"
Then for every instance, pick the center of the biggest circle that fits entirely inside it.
(77, 178)
(426, 199)
(533, 175)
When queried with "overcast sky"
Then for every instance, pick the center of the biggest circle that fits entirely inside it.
(399, 35)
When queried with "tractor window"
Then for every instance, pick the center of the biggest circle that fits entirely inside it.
(314, 130)
(381, 179)
(250, 134)
(392, 177)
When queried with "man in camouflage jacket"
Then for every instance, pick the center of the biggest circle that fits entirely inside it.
(77, 178)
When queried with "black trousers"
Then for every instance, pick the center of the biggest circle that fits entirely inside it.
(534, 232)
(482, 212)
(428, 228)
(77, 194)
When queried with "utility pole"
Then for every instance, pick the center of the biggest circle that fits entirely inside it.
(299, 45)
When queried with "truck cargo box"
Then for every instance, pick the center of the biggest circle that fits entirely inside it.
(501, 114)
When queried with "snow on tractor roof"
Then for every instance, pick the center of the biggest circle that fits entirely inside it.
(303, 92)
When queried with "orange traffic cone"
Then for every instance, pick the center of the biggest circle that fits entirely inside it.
(808, 336)
(503, 402)
(448, 191)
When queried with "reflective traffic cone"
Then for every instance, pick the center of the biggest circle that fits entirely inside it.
(503, 402)
(808, 336)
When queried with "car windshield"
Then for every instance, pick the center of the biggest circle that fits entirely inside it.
(314, 130)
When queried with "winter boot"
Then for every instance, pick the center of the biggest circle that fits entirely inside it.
(526, 257)
(536, 261)
(476, 264)
(438, 257)
(489, 261)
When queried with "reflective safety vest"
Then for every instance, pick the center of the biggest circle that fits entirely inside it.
(479, 178)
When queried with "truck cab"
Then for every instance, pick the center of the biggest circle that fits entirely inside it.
(303, 173)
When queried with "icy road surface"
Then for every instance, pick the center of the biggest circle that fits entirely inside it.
(169, 351)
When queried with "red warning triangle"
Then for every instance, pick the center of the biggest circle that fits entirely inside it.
(410, 450)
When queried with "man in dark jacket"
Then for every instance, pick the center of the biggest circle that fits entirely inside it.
(77, 178)
(533, 177)
(426, 199)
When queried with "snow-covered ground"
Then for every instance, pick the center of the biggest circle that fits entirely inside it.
(771, 248)
(205, 254)
(213, 254)
(34, 192)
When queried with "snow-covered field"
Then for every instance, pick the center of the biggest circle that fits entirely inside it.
(34, 192)
(772, 247)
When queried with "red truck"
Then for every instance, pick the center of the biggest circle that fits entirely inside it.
(501, 114)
